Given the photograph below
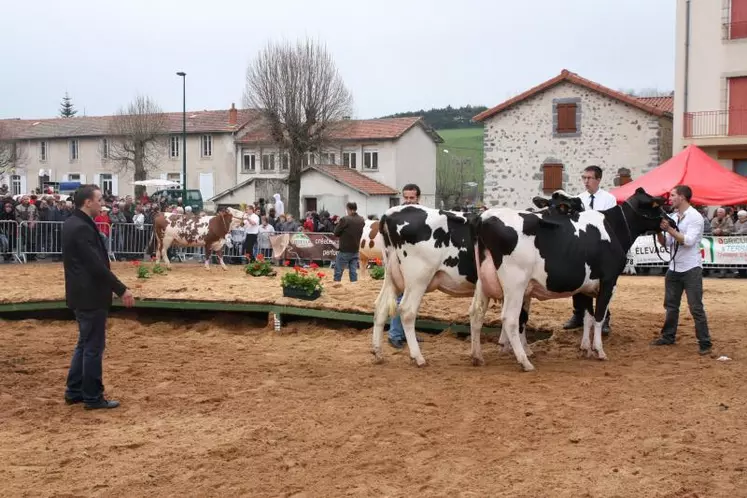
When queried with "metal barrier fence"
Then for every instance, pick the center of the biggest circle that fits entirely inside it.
(130, 239)
(9, 240)
(39, 239)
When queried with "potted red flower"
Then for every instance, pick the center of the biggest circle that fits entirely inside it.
(302, 283)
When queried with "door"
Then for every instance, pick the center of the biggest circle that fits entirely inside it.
(206, 186)
(738, 106)
(740, 166)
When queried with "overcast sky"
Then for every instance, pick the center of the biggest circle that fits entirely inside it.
(394, 55)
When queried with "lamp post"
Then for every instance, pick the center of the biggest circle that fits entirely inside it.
(184, 136)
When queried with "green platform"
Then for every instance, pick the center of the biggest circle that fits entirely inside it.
(172, 304)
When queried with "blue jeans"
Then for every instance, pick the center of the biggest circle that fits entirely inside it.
(396, 331)
(349, 260)
(84, 380)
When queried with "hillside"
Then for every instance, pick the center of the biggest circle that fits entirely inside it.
(446, 118)
(460, 160)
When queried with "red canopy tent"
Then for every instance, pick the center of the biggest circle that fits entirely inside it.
(712, 184)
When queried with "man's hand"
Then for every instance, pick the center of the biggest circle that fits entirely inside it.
(664, 226)
(128, 299)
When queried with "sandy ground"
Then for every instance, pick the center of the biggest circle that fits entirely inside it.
(227, 407)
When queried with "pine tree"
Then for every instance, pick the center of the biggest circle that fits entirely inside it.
(67, 110)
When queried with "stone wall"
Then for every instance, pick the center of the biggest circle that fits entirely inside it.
(666, 139)
(611, 134)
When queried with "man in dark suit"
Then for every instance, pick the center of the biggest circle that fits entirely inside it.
(89, 284)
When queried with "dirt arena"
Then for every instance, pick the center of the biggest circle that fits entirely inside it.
(227, 407)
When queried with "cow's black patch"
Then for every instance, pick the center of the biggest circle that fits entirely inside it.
(404, 253)
(407, 225)
(440, 237)
(451, 261)
(499, 238)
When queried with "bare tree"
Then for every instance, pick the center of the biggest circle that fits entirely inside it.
(648, 92)
(10, 149)
(453, 173)
(302, 98)
(138, 138)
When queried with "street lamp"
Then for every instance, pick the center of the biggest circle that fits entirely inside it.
(184, 136)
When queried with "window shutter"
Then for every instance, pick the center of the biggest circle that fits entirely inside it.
(115, 185)
(566, 118)
(23, 184)
(738, 19)
(96, 179)
(82, 178)
(552, 177)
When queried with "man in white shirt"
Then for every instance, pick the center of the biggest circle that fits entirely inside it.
(251, 226)
(685, 270)
(596, 199)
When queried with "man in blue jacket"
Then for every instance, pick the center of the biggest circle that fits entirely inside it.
(89, 284)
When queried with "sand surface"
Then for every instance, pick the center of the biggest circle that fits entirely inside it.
(227, 407)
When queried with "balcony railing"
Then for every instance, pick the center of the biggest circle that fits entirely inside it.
(735, 30)
(715, 124)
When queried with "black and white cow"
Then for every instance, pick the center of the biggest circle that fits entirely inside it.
(522, 256)
(427, 249)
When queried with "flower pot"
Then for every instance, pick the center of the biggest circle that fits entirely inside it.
(297, 293)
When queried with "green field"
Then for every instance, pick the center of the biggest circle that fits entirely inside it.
(462, 163)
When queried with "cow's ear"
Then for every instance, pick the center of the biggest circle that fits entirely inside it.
(540, 202)
(640, 190)
(655, 204)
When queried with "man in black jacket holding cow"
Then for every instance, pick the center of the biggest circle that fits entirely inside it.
(89, 284)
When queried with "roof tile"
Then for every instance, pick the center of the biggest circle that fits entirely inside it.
(354, 179)
(574, 78)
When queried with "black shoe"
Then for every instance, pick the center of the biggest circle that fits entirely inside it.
(102, 404)
(662, 342)
(576, 322)
(72, 401)
(704, 350)
(606, 329)
(396, 343)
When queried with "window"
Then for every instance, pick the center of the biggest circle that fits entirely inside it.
(552, 175)
(73, 177)
(268, 162)
(740, 167)
(105, 148)
(174, 143)
(284, 162)
(73, 150)
(249, 165)
(371, 160)
(393, 201)
(43, 151)
(349, 159)
(566, 118)
(207, 146)
(107, 184)
(738, 20)
(738, 106)
(15, 185)
(328, 158)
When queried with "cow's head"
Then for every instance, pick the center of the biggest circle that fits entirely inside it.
(560, 203)
(648, 211)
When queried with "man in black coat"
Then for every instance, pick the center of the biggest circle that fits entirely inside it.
(89, 284)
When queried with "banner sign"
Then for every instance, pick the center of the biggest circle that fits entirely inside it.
(713, 250)
(304, 245)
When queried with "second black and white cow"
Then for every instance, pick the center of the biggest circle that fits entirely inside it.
(523, 256)
(427, 249)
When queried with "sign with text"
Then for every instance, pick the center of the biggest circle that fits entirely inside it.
(304, 245)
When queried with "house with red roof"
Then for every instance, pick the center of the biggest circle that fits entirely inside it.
(367, 161)
(542, 139)
(77, 150)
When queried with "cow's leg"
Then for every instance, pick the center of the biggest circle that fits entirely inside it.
(363, 259)
(523, 319)
(385, 306)
(512, 303)
(208, 255)
(606, 291)
(586, 303)
(165, 245)
(408, 312)
(476, 318)
(219, 252)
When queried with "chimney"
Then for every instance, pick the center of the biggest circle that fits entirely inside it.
(233, 115)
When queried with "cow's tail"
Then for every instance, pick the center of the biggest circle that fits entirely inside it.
(388, 294)
(475, 225)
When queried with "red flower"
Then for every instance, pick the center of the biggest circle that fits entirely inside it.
(320, 275)
(377, 261)
(313, 266)
(136, 263)
(286, 263)
(296, 268)
(303, 272)
(260, 257)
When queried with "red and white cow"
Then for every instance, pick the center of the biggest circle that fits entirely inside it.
(372, 244)
(209, 232)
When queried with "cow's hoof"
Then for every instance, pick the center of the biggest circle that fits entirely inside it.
(477, 362)
(528, 351)
(419, 361)
(527, 367)
(378, 357)
(602, 356)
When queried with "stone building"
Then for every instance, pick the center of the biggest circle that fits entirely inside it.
(542, 139)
